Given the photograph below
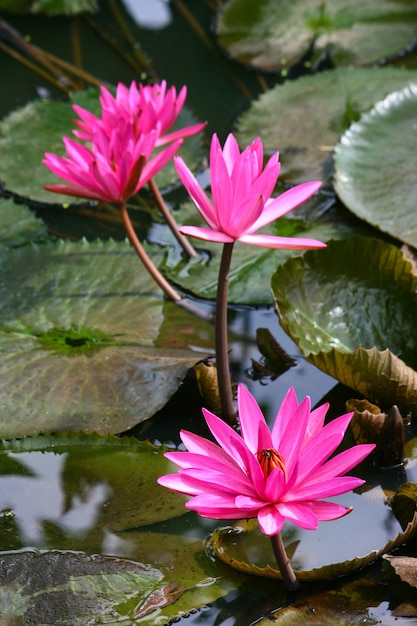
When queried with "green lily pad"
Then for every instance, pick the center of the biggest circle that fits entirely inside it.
(252, 266)
(18, 225)
(275, 34)
(384, 135)
(78, 328)
(351, 309)
(304, 118)
(48, 7)
(318, 555)
(38, 127)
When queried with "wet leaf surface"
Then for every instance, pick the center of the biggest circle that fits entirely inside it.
(275, 34)
(304, 118)
(72, 325)
(387, 130)
(351, 309)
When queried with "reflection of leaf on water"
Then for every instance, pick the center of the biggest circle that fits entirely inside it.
(82, 486)
(274, 361)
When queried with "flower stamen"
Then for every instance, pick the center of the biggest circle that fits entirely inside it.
(270, 459)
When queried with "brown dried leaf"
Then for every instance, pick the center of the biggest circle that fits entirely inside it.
(405, 567)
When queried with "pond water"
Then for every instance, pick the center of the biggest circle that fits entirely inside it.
(69, 497)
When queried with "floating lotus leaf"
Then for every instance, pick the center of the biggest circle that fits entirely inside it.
(304, 118)
(384, 135)
(318, 555)
(38, 127)
(251, 266)
(18, 224)
(351, 309)
(351, 604)
(48, 7)
(78, 327)
(275, 34)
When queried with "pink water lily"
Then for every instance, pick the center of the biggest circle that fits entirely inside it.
(277, 475)
(114, 168)
(241, 197)
(145, 107)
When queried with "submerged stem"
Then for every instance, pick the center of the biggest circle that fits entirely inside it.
(284, 564)
(222, 351)
(183, 241)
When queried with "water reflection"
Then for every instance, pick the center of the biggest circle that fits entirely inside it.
(38, 496)
(152, 14)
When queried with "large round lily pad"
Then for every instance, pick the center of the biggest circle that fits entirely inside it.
(304, 118)
(351, 308)
(18, 224)
(384, 137)
(78, 324)
(322, 554)
(275, 34)
(38, 127)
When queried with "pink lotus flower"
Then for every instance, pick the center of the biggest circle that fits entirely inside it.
(116, 166)
(145, 107)
(277, 475)
(242, 201)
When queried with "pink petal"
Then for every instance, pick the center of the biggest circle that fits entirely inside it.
(285, 243)
(316, 421)
(287, 409)
(181, 133)
(342, 463)
(325, 511)
(73, 191)
(270, 520)
(250, 415)
(298, 514)
(284, 203)
(218, 507)
(176, 483)
(206, 234)
(313, 490)
(200, 198)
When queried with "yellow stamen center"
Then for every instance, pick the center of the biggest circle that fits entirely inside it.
(270, 459)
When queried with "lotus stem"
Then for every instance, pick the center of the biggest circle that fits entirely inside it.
(221, 340)
(152, 269)
(284, 563)
(183, 241)
(154, 272)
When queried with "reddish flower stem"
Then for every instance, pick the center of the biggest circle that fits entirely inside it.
(221, 341)
(284, 564)
(184, 243)
(154, 272)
